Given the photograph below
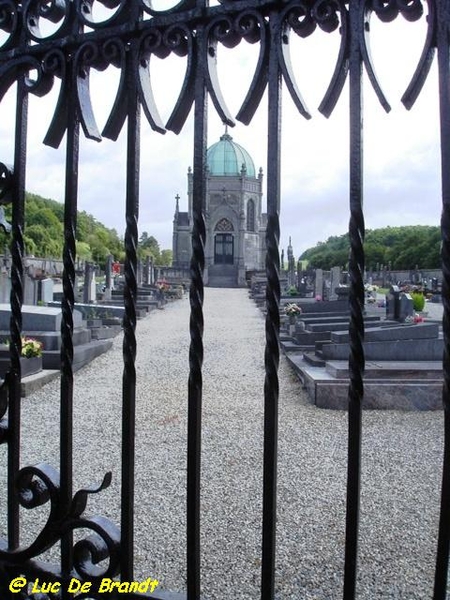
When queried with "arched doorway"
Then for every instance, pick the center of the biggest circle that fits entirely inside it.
(223, 243)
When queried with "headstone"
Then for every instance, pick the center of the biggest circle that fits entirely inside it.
(29, 290)
(301, 281)
(37, 318)
(318, 285)
(335, 281)
(139, 273)
(5, 287)
(393, 303)
(108, 271)
(46, 294)
(89, 288)
(108, 277)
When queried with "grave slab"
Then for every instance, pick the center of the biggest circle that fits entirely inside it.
(411, 331)
(389, 369)
(396, 350)
(403, 393)
(37, 318)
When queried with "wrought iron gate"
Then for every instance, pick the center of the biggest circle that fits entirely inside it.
(190, 28)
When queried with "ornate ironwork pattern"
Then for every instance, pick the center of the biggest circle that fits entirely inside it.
(42, 41)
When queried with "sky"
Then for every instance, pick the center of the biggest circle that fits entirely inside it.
(401, 155)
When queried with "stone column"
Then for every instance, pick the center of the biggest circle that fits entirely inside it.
(241, 241)
(146, 274)
(108, 277)
(87, 287)
(139, 273)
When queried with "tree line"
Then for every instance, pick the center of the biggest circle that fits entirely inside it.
(44, 235)
(402, 248)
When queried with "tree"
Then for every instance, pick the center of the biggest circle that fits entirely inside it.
(165, 258)
(402, 247)
(44, 234)
(148, 246)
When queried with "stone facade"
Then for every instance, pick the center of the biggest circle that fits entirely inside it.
(235, 223)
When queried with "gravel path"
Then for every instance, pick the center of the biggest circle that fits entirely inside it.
(400, 472)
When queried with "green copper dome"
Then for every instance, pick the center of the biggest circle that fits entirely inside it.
(227, 158)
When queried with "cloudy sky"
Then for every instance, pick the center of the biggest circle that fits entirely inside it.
(401, 153)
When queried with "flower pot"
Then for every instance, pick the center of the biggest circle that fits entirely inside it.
(28, 366)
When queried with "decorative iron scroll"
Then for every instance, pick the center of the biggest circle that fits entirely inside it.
(44, 41)
(161, 33)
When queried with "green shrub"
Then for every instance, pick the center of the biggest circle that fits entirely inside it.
(418, 301)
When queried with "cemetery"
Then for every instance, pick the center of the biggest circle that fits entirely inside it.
(187, 455)
(97, 314)
(403, 350)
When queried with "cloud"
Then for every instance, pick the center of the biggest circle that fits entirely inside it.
(401, 149)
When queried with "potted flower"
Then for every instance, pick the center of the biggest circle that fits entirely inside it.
(292, 311)
(32, 353)
(31, 357)
(31, 348)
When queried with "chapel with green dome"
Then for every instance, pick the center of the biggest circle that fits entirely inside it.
(235, 223)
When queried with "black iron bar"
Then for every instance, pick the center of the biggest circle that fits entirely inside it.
(67, 306)
(356, 301)
(129, 322)
(17, 249)
(441, 573)
(196, 294)
(272, 350)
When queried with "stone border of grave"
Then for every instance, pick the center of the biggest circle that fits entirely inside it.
(403, 358)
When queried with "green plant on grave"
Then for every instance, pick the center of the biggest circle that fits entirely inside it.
(292, 291)
(418, 301)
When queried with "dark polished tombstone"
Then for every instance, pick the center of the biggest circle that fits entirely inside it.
(393, 302)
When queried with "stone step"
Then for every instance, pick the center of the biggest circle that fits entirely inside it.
(290, 346)
(405, 331)
(32, 383)
(326, 318)
(394, 394)
(222, 282)
(82, 355)
(105, 333)
(337, 325)
(313, 359)
(395, 350)
(389, 369)
(309, 338)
